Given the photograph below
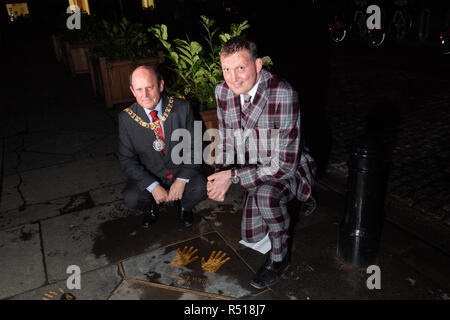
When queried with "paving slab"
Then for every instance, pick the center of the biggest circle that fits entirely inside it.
(72, 178)
(421, 257)
(143, 291)
(78, 115)
(32, 213)
(166, 266)
(107, 194)
(95, 285)
(107, 234)
(102, 147)
(29, 160)
(67, 142)
(21, 263)
(226, 219)
(69, 239)
(317, 273)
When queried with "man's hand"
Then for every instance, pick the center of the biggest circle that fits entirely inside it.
(176, 190)
(160, 194)
(218, 184)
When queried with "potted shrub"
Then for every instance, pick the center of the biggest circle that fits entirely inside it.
(198, 70)
(124, 46)
(73, 47)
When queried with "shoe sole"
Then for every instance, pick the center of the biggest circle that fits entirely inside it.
(187, 225)
(257, 286)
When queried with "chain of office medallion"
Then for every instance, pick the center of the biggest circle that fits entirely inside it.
(152, 125)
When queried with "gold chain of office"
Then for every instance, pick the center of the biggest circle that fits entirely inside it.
(152, 125)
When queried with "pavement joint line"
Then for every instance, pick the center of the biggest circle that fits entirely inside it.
(83, 273)
(165, 246)
(121, 271)
(264, 292)
(48, 202)
(236, 252)
(182, 290)
(51, 283)
(117, 288)
(74, 160)
(16, 169)
(58, 215)
(395, 204)
(44, 263)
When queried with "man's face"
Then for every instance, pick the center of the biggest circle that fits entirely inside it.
(145, 88)
(240, 72)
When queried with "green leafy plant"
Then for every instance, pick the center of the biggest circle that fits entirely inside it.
(124, 41)
(198, 70)
(91, 29)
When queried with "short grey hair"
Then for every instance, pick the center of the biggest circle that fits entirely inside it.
(148, 68)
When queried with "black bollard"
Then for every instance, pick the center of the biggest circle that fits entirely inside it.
(359, 231)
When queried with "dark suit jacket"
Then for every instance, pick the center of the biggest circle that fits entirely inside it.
(139, 161)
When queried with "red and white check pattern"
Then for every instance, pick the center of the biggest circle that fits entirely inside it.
(290, 171)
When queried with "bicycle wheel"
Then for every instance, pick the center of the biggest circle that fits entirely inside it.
(376, 37)
(338, 34)
(445, 45)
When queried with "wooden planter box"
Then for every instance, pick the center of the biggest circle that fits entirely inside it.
(209, 118)
(77, 56)
(210, 121)
(57, 47)
(112, 80)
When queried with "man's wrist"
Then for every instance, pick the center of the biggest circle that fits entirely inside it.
(152, 186)
(233, 176)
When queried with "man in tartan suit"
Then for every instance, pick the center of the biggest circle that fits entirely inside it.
(253, 100)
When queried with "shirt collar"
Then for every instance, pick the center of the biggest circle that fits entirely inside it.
(252, 91)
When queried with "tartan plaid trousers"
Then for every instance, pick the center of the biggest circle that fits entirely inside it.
(287, 172)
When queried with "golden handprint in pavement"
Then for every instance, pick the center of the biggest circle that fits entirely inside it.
(214, 262)
(183, 258)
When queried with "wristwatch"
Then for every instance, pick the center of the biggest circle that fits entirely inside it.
(234, 178)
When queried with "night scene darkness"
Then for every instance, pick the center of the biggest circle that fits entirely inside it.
(245, 155)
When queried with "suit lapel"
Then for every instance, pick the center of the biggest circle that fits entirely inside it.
(259, 101)
(233, 115)
(167, 125)
(140, 112)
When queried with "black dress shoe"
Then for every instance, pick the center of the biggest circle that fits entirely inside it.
(186, 218)
(150, 215)
(269, 273)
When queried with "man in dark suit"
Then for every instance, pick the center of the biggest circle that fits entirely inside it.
(253, 100)
(145, 146)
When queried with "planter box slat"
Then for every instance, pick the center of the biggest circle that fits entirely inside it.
(111, 80)
(209, 118)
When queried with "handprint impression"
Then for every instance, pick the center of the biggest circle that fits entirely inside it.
(184, 258)
(214, 262)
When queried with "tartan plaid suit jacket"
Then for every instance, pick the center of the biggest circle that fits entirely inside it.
(275, 107)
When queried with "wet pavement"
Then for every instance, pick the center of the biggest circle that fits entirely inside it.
(61, 206)
(400, 93)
